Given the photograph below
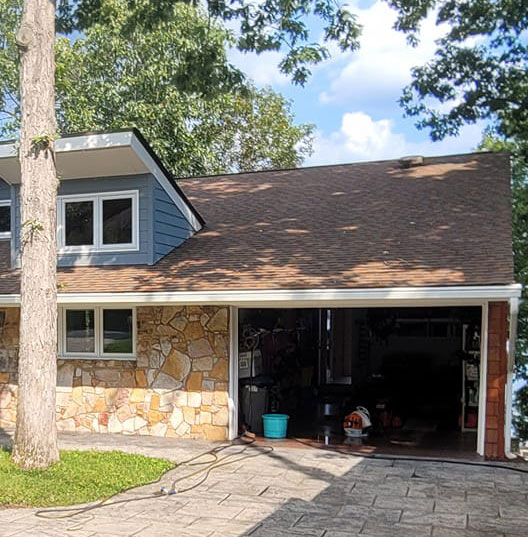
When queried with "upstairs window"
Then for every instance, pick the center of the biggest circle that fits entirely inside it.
(79, 223)
(117, 221)
(5, 219)
(100, 222)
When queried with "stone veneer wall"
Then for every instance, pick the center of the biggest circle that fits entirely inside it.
(9, 367)
(178, 386)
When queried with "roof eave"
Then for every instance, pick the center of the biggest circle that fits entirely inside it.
(127, 152)
(377, 297)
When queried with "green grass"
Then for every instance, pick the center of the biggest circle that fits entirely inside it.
(79, 477)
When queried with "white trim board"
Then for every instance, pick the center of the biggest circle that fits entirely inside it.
(233, 373)
(512, 336)
(483, 382)
(155, 170)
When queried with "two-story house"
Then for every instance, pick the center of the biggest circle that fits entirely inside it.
(189, 308)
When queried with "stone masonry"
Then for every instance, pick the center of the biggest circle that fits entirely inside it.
(177, 387)
(9, 366)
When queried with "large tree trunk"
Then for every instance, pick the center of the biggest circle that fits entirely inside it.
(36, 432)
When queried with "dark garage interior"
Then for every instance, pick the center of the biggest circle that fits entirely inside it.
(415, 370)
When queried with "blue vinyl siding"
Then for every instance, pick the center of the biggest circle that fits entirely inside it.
(162, 226)
(141, 183)
(171, 228)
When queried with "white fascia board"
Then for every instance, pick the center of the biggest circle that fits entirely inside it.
(8, 150)
(68, 144)
(385, 297)
(112, 140)
(79, 143)
(155, 170)
(87, 142)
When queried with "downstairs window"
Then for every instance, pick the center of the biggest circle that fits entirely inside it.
(97, 333)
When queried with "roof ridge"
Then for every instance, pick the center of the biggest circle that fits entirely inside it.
(343, 164)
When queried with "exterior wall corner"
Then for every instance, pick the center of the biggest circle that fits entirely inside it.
(494, 446)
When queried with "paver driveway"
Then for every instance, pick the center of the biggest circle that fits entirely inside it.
(293, 492)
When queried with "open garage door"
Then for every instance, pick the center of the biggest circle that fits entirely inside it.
(415, 370)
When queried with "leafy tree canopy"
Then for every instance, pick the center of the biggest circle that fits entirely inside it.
(209, 122)
(267, 25)
(480, 68)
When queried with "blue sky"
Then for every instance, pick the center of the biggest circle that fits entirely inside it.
(352, 98)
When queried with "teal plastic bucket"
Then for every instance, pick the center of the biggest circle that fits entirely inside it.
(275, 425)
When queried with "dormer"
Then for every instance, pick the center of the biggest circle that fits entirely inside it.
(117, 204)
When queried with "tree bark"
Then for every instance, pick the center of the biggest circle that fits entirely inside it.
(36, 431)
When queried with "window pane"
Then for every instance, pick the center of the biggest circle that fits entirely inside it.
(117, 330)
(80, 335)
(117, 221)
(5, 218)
(79, 223)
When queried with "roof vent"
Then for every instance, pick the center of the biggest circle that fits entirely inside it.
(411, 161)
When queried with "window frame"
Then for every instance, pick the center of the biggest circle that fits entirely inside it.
(4, 235)
(97, 199)
(99, 353)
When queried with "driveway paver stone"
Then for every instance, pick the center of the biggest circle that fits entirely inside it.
(290, 493)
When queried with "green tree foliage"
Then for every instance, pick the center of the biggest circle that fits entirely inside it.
(171, 80)
(267, 25)
(258, 133)
(520, 257)
(480, 68)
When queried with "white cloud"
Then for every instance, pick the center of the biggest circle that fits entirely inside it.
(362, 138)
(377, 72)
(262, 68)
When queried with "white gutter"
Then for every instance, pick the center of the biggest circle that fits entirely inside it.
(389, 296)
(514, 314)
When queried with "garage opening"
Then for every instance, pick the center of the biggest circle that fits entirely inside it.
(414, 370)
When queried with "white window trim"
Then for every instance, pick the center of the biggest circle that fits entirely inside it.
(97, 200)
(6, 234)
(99, 354)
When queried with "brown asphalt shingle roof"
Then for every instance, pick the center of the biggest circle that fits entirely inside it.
(375, 224)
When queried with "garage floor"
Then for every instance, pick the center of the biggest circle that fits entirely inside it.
(293, 492)
(448, 445)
